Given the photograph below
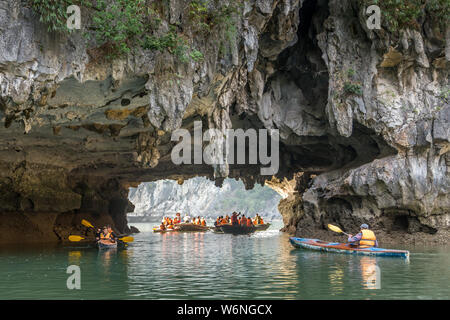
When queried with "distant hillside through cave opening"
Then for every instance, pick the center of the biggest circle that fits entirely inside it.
(201, 197)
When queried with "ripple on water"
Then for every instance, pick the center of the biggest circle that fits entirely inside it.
(216, 266)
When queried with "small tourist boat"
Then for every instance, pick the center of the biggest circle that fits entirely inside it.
(106, 245)
(158, 230)
(183, 227)
(190, 227)
(236, 229)
(262, 227)
(315, 244)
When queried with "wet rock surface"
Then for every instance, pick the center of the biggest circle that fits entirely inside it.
(360, 115)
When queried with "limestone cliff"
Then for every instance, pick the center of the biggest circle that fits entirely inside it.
(363, 114)
(200, 197)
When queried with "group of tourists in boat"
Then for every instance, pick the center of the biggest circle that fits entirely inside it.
(199, 223)
(168, 223)
(236, 221)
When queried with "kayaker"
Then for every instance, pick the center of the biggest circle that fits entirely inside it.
(112, 235)
(364, 239)
(105, 235)
(98, 233)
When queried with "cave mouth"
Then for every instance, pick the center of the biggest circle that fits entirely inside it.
(199, 196)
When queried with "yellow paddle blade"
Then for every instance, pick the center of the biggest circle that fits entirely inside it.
(86, 223)
(75, 238)
(335, 228)
(127, 239)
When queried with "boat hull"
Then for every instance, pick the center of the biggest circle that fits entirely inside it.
(102, 245)
(262, 227)
(190, 227)
(315, 244)
(183, 227)
(228, 228)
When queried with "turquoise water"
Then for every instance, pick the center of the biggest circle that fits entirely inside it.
(217, 266)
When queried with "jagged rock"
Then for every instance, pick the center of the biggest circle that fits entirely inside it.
(77, 129)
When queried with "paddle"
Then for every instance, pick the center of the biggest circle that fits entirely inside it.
(87, 224)
(75, 238)
(78, 238)
(336, 229)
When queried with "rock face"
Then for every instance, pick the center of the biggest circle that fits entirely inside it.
(363, 116)
(200, 197)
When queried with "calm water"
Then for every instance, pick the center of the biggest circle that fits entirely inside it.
(216, 266)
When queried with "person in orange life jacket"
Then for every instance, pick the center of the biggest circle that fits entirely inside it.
(162, 226)
(107, 234)
(234, 218)
(243, 221)
(249, 222)
(364, 239)
(113, 236)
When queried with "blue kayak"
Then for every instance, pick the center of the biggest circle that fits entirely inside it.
(315, 244)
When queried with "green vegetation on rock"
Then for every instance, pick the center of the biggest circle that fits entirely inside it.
(121, 25)
(400, 14)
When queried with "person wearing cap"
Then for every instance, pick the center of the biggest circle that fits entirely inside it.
(364, 239)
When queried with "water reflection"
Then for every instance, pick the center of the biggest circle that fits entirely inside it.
(336, 277)
(74, 257)
(371, 273)
(219, 266)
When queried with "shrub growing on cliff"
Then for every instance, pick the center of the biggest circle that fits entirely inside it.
(118, 23)
(53, 13)
(221, 17)
(352, 88)
(400, 14)
(118, 26)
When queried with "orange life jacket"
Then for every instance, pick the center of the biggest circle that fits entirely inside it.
(243, 221)
(106, 236)
(203, 223)
(368, 239)
(249, 223)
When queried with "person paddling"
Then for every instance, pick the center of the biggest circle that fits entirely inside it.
(107, 236)
(364, 239)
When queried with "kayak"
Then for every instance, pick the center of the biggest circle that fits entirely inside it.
(262, 227)
(236, 229)
(315, 244)
(103, 245)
